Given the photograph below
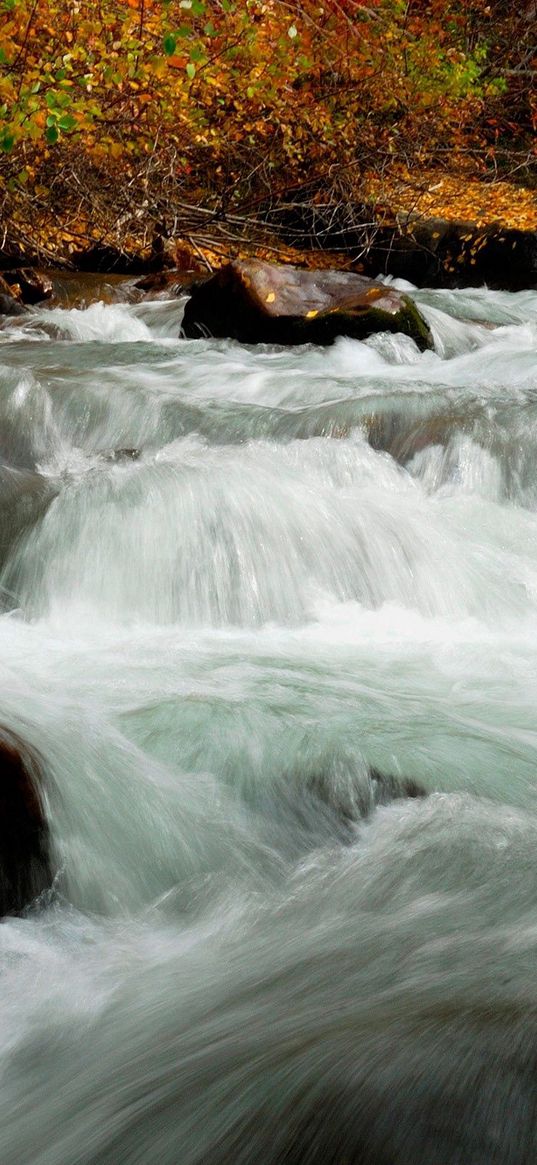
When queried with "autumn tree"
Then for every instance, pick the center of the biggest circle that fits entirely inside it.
(228, 104)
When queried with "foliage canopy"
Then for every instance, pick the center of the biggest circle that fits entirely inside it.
(257, 95)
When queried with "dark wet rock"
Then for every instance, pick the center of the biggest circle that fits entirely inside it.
(24, 497)
(257, 302)
(438, 253)
(101, 257)
(10, 305)
(25, 863)
(157, 281)
(167, 283)
(28, 285)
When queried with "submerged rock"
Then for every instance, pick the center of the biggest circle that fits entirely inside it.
(352, 801)
(24, 497)
(257, 302)
(386, 788)
(122, 455)
(25, 865)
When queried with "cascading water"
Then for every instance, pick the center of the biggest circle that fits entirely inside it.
(252, 599)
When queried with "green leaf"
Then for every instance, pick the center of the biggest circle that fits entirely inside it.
(191, 70)
(7, 140)
(51, 134)
(169, 44)
(67, 122)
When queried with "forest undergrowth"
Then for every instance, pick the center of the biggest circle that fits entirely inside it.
(223, 125)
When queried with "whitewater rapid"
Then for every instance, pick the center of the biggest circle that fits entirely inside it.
(240, 588)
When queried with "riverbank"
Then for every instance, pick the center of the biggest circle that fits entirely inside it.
(432, 227)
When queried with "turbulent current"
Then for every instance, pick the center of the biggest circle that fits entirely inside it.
(251, 600)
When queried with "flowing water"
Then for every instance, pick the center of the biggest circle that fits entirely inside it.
(251, 598)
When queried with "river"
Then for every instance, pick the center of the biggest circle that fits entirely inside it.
(253, 598)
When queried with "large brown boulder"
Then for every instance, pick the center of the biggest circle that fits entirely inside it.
(256, 303)
(25, 865)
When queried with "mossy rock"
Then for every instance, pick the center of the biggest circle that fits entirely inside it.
(264, 303)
